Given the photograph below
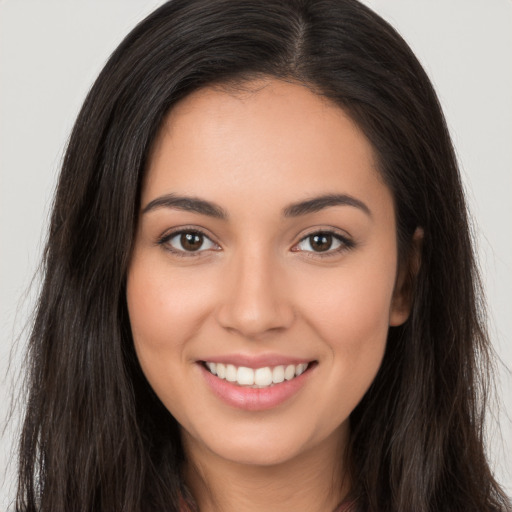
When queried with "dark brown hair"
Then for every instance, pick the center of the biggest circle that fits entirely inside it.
(95, 437)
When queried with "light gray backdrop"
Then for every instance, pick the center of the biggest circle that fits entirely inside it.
(51, 51)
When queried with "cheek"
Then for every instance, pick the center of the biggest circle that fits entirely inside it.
(352, 322)
(349, 309)
(165, 308)
(159, 322)
(351, 306)
(165, 311)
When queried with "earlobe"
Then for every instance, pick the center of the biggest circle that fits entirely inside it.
(403, 295)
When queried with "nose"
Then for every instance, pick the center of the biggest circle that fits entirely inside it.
(255, 299)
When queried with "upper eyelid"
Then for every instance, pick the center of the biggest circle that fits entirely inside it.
(338, 233)
(166, 237)
(346, 241)
(339, 237)
(170, 233)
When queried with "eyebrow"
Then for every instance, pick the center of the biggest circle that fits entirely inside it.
(316, 204)
(188, 204)
(203, 207)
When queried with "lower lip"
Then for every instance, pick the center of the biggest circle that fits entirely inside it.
(255, 399)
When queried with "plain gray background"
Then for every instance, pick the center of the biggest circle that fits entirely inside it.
(51, 51)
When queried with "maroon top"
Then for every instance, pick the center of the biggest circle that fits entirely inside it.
(346, 506)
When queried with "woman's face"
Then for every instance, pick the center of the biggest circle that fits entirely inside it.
(266, 244)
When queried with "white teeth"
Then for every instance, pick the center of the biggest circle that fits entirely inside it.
(301, 368)
(289, 372)
(257, 378)
(263, 376)
(221, 371)
(231, 373)
(245, 376)
(278, 374)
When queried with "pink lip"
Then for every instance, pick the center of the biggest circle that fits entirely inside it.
(253, 361)
(253, 399)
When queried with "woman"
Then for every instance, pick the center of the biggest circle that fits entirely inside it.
(258, 194)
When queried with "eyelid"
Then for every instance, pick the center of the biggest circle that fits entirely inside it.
(165, 238)
(346, 242)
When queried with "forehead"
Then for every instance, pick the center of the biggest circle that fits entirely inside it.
(271, 139)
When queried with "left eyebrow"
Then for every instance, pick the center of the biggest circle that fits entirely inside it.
(185, 203)
(316, 204)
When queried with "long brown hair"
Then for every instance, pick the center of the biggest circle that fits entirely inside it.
(95, 436)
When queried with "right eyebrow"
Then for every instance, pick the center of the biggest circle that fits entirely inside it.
(316, 204)
(188, 204)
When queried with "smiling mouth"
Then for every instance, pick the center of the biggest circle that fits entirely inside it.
(258, 378)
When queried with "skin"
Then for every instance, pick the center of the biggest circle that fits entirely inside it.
(258, 288)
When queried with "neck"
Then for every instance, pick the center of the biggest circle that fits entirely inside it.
(314, 481)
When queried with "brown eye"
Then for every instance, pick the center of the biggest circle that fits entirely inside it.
(324, 242)
(320, 242)
(188, 242)
(191, 241)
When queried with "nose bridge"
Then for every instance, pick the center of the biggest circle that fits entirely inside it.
(255, 300)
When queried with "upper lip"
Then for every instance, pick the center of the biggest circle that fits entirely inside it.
(256, 361)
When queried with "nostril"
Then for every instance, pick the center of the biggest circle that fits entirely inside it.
(254, 318)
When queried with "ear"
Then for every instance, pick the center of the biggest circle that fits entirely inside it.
(403, 294)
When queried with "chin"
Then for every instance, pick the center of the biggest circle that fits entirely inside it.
(260, 446)
(252, 454)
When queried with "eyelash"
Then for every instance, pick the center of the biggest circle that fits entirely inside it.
(165, 240)
(345, 243)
